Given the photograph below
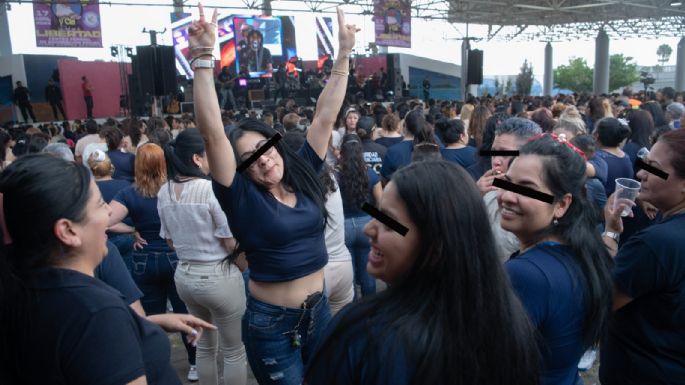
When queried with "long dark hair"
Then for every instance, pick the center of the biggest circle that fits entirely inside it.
(37, 190)
(298, 175)
(455, 297)
(353, 174)
(564, 172)
(179, 155)
(641, 126)
(415, 123)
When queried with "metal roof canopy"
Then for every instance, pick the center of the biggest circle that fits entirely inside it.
(542, 20)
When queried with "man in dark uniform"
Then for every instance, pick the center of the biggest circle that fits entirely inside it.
(22, 98)
(53, 94)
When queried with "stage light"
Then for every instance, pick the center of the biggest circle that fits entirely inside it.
(114, 51)
(676, 3)
(129, 51)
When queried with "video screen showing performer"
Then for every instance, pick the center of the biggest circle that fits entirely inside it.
(258, 42)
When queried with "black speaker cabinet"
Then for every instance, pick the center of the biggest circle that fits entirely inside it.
(475, 68)
(155, 68)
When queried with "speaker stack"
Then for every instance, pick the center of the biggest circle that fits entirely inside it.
(155, 69)
(475, 67)
(394, 73)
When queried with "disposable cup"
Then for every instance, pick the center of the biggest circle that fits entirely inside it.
(626, 188)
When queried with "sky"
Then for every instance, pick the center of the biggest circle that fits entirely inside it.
(122, 25)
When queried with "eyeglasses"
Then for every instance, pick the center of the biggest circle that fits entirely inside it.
(246, 155)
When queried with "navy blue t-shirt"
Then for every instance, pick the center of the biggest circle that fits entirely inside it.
(82, 332)
(373, 155)
(617, 168)
(143, 213)
(123, 163)
(112, 271)
(348, 209)
(389, 141)
(397, 157)
(601, 168)
(281, 243)
(645, 343)
(550, 288)
(110, 188)
(464, 157)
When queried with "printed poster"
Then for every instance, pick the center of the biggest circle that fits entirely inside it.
(392, 20)
(67, 23)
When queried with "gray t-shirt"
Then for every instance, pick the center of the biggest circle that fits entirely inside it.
(507, 243)
(335, 229)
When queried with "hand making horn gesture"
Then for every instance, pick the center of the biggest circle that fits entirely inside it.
(346, 32)
(202, 34)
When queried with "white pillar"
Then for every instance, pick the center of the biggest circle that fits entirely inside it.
(680, 66)
(600, 83)
(464, 68)
(548, 82)
(5, 41)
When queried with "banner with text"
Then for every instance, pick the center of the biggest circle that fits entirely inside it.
(392, 19)
(67, 23)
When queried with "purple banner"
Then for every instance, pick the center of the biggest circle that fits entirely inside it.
(67, 23)
(392, 19)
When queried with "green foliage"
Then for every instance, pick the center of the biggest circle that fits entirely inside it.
(664, 53)
(524, 80)
(576, 76)
(622, 71)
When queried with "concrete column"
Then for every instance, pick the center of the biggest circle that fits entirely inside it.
(465, 46)
(548, 82)
(600, 83)
(266, 5)
(680, 66)
(5, 41)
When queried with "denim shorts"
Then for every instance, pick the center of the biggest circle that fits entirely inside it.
(268, 337)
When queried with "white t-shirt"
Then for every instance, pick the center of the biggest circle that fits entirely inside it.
(335, 229)
(506, 242)
(194, 222)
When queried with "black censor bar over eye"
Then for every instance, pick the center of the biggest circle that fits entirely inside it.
(640, 164)
(498, 153)
(526, 191)
(384, 219)
(260, 151)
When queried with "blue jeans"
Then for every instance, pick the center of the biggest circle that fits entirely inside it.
(124, 243)
(358, 245)
(268, 337)
(153, 272)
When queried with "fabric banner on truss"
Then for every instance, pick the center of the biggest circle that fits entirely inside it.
(67, 23)
(392, 19)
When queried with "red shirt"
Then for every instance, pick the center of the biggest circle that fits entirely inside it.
(85, 86)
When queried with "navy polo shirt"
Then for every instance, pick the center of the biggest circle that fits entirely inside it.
(389, 141)
(397, 157)
(281, 243)
(82, 332)
(110, 188)
(464, 157)
(112, 271)
(550, 287)
(143, 212)
(616, 168)
(645, 343)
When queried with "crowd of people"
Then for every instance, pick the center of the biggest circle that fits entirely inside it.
(497, 233)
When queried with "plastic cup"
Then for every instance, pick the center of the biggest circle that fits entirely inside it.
(626, 188)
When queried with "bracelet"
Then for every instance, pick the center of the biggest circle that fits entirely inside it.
(192, 49)
(339, 72)
(194, 59)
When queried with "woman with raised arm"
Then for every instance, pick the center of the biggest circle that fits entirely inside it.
(275, 208)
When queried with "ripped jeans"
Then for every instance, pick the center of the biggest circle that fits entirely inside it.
(272, 355)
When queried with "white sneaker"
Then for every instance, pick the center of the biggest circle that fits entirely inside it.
(587, 360)
(192, 374)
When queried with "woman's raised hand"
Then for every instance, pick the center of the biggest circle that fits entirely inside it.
(346, 33)
(201, 33)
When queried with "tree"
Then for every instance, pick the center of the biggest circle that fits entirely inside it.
(524, 80)
(664, 52)
(576, 76)
(622, 71)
